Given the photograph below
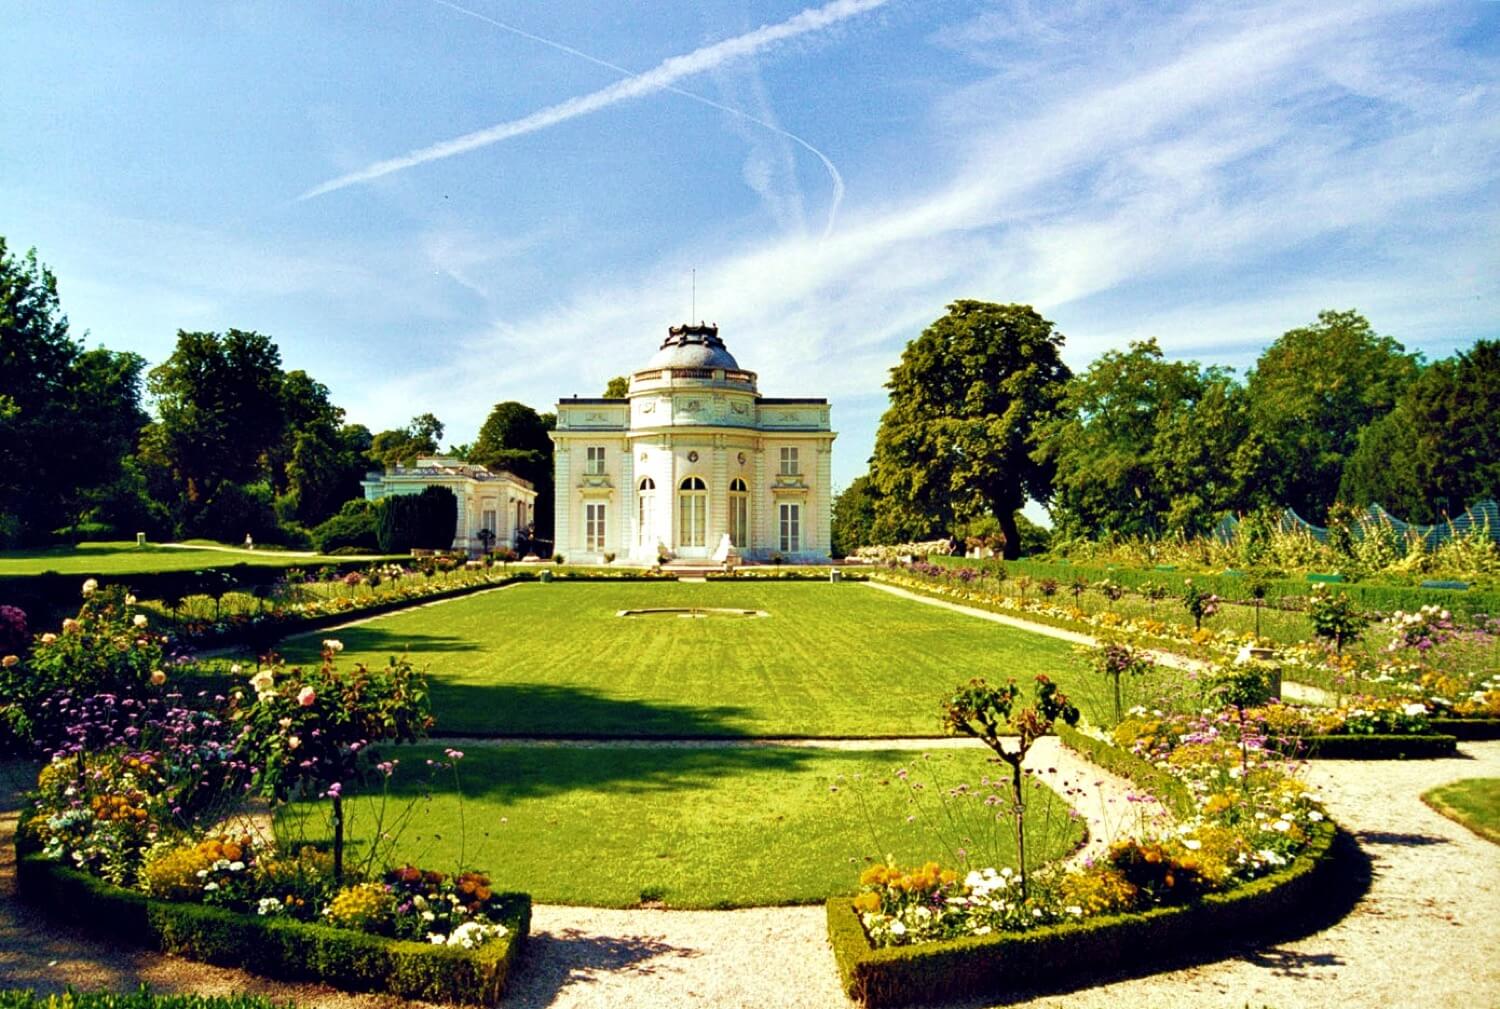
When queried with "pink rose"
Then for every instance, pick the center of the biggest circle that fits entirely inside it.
(306, 696)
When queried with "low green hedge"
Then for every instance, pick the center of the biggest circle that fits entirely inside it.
(1468, 728)
(1075, 954)
(1376, 747)
(1118, 760)
(142, 998)
(280, 947)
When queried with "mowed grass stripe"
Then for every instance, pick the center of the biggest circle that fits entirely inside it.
(830, 660)
(700, 827)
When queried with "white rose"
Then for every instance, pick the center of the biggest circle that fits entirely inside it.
(139, 620)
(90, 587)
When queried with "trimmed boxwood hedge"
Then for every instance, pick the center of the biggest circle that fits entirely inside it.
(1468, 728)
(142, 998)
(1073, 954)
(1377, 747)
(280, 947)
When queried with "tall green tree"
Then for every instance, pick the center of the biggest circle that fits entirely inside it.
(401, 446)
(854, 517)
(1104, 442)
(514, 437)
(966, 402)
(1311, 394)
(618, 388)
(67, 416)
(1438, 451)
(222, 415)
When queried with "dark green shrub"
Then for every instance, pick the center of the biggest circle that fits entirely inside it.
(353, 527)
(141, 998)
(425, 521)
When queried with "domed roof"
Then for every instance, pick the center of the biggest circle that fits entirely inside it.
(693, 347)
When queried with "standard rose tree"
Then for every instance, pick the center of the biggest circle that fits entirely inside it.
(317, 731)
(993, 715)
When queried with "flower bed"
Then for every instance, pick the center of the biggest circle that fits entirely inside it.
(1073, 954)
(281, 947)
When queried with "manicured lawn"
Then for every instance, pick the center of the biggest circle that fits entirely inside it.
(125, 558)
(830, 660)
(1473, 802)
(700, 827)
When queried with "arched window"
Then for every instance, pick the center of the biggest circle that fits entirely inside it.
(739, 513)
(692, 513)
(645, 530)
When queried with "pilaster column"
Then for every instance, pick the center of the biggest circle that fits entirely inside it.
(562, 505)
(625, 501)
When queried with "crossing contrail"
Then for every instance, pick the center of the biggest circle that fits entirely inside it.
(663, 75)
(837, 179)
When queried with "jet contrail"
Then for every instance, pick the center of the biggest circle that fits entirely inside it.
(668, 72)
(833, 173)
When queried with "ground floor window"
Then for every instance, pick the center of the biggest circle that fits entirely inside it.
(692, 513)
(593, 527)
(791, 528)
(645, 532)
(739, 513)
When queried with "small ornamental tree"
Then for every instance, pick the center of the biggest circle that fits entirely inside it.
(1241, 686)
(1116, 660)
(1257, 586)
(992, 715)
(317, 731)
(1335, 618)
(1198, 603)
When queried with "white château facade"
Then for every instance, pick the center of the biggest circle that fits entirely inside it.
(498, 501)
(692, 455)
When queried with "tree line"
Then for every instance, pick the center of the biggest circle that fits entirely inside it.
(984, 414)
(218, 441)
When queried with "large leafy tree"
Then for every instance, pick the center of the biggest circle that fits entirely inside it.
(514, 437)
(618, 388)
(67, 416)
(854, 517)
(222, 414)
(1438, 451)
(1311, 394)
(966, 402)
(402, 445)
(1104, 443)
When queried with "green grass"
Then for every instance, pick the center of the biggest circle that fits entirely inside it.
(125, 558)
(1473, 802)
(830, 660)
(614, 826)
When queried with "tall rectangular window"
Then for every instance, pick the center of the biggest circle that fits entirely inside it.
(739, 519)
(593, 527)
(789, 462)
(594, 465)
(791, 528)
(487, 521)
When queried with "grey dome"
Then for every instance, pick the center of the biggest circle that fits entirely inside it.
(693, 347)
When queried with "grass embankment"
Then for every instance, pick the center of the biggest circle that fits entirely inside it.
(829, 661)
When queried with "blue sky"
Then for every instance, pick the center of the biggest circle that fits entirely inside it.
(1209, 174)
